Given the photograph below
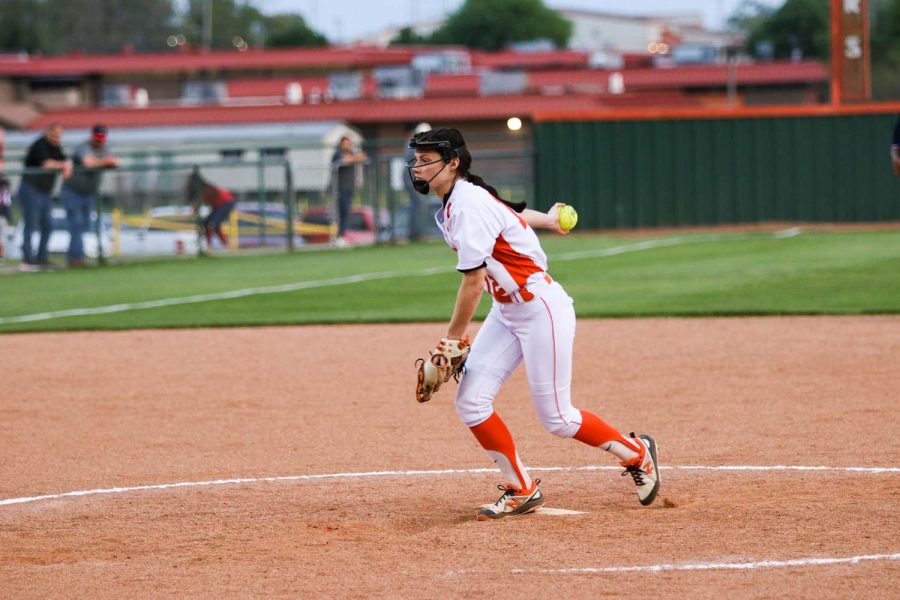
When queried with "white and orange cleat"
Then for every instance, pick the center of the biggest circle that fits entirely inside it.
(644, 469)
(513, 502)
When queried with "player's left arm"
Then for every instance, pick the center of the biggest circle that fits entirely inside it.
(547, 220)
(467, 299)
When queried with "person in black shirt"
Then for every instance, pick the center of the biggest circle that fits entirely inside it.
(344, 162)
(895, 149)
(34, 191)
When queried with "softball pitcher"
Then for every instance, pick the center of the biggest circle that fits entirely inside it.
(532, 320)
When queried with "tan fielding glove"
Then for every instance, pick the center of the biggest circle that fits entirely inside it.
(444, 362)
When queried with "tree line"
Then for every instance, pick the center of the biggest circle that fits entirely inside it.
(797, 28)
(109, 26)
(801, 29)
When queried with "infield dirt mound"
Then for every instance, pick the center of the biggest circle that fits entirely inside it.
(98, 410)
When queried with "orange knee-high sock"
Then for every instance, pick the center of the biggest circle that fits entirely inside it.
(496, 439)
(594, 431)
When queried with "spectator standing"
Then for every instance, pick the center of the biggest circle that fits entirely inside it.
(79, 192)
(344, 161)
(895, 148)
(34, 192)
(415, 198)
(220, 201)
(5, 204)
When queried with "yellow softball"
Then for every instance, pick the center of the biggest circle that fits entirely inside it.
(567, 217)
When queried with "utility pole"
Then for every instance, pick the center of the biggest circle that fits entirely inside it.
(207, 24)
(731, 53)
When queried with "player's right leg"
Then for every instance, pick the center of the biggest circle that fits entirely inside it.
(494, 356)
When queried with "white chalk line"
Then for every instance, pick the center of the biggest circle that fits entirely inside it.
(709, 566)
(420, 473)
(360, 278)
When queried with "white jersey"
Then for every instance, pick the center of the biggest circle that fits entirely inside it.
(485, 232)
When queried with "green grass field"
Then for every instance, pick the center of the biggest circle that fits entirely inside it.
(608, 276)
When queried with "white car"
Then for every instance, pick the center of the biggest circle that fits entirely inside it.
(165, 230)
(150, 242)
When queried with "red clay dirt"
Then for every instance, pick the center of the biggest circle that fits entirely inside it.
(83, 411)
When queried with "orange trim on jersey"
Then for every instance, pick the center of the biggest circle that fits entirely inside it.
(519, 266)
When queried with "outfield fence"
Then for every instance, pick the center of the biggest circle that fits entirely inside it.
(144, 206)
(706, 167)
(144, 209)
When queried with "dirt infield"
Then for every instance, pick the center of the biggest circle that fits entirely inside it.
(94, 411)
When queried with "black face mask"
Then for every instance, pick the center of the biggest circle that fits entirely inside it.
(420, 185)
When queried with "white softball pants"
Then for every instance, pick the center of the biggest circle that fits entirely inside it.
(542, 333)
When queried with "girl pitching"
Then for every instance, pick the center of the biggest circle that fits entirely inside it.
(531, 320)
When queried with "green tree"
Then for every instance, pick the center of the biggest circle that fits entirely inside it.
(290, 30)
(92, 26)
(231, 19)
(749, 15)
(799, 25)
(106, 26)
(885, 33)
(20, 26)
(494, 24)
(408, 37)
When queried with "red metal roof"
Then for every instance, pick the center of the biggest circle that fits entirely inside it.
(683, 77)
(298, 58)
(717, 75)
(452, 85)
(358, 111)
(655, 79)
(530, 60)
(275, 88)
(436, 84)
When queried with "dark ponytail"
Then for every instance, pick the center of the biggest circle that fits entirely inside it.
(465, 162)
(476, 180)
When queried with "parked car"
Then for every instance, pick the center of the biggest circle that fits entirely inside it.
(317, 225)
(59, 236)
(162, 230)
(174, 229)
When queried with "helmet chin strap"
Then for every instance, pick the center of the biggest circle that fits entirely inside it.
(422, 186)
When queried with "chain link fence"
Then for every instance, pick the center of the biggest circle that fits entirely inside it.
(147, 207)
